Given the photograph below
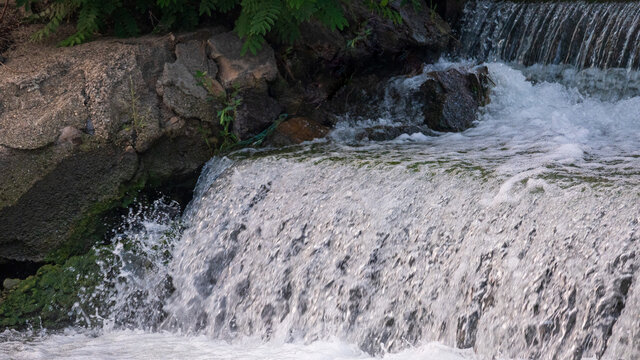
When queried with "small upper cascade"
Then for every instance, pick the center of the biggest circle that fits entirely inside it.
(580, 34)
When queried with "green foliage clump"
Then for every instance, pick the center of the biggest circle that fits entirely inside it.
(46, 298)
(254, 19)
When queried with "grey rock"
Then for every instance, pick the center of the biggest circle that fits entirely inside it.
(79, 125)
(452, 98)
(182, 94)
(193, 54)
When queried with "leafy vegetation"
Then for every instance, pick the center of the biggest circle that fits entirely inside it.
(254, 19)
(227, 115)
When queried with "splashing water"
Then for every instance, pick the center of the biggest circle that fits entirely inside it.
(135, 270)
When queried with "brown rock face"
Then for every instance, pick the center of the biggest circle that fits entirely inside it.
(297, 130)
(237, 70)
(78, 126)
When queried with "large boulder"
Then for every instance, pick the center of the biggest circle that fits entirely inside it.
(80, 127)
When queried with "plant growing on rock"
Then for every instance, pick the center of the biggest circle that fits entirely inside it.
(362, 35)
(255, 18)
(227, 114)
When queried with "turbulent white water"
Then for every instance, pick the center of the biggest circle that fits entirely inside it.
(516, 237)
(119, 345)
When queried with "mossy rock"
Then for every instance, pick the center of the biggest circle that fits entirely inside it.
(47, 298)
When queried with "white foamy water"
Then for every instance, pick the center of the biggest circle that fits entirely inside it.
(548, 128)
(118, 345)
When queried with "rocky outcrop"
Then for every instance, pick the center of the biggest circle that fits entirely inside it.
(239, 70)
(319, 66)
(255, 113)
(80, 127)
(180, 89)
(443, 100)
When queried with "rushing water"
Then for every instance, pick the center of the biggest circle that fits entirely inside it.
(514, 239)
(579, 33)
(585, 44)
(126, 344)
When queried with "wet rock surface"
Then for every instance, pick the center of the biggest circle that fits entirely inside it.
(436, 100)
(452, 98)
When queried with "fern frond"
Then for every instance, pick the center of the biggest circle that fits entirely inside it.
(330, 14)
(56, 13)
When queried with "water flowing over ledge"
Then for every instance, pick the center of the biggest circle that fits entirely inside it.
(588, 45)
(516, 238)
(577, 33)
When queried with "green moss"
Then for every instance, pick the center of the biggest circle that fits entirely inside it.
(47, 298)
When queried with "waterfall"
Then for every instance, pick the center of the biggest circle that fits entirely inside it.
(517, 238)
(591, 46)
(578, 33)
